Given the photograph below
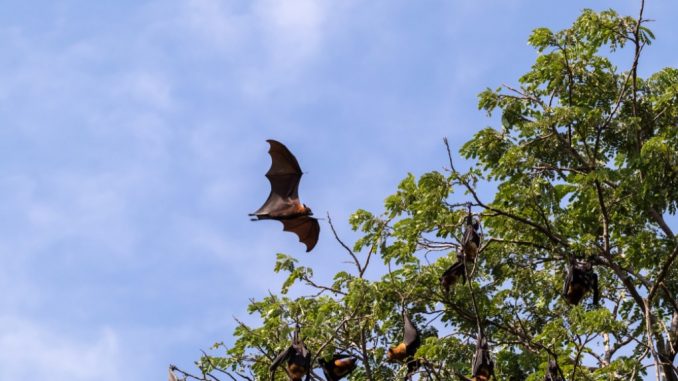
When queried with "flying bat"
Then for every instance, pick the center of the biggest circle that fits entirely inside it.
(298, 360)
(483, 366)
(338, 367)
(283, 202)
(405, 351)
(580, 279)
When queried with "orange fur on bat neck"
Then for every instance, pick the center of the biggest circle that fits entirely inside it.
(398, 353)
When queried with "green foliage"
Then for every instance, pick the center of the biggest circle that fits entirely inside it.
(585, 163)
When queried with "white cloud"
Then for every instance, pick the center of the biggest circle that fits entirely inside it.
(29, 351)
(46, 210)
(147, 88)
(294, 29)
(289, 28)
(270, 42)
(251, 257)
(213, 21)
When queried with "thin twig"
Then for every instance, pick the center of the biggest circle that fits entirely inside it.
(350, 252)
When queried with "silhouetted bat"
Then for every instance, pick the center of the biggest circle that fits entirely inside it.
(283, 202)
(580, 279)
(452, 274)
(405, 351)
(470, 242)
(338, 367)
(483, 366)
(298, 360)
(554, 372)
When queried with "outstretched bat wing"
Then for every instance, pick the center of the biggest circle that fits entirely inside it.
(284, 176)
(305, 227)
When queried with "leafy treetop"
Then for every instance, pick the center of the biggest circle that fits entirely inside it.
(585, 165)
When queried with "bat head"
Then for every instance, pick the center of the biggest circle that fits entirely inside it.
(307, 210)
(296, 371)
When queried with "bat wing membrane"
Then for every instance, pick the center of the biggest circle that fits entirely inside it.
(285, 172)
(305, 227)
(284, 176)
(411, 335)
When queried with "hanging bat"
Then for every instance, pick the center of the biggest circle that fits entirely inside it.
(405, 351)
(298, 360)
(283, 202)
(454, 273)
(470, 242)
(338, 367)
(580, 279)
(483, 366)
(554, 372)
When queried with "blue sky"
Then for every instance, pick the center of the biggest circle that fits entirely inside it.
(132, 140)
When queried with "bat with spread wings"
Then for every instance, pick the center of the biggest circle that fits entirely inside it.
(283, 202)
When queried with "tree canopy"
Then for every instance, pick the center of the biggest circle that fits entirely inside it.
(585, 166)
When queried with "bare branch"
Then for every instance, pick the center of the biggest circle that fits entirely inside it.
(350, 252)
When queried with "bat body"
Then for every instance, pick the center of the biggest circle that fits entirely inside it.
(554, 372)
(454, 273)
(483, 366)
(580, 279)
(338, 367)
(405, 351)
(470, 242)
(298, 360)
(283, 202)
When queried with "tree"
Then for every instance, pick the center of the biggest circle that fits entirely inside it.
(585, 164)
